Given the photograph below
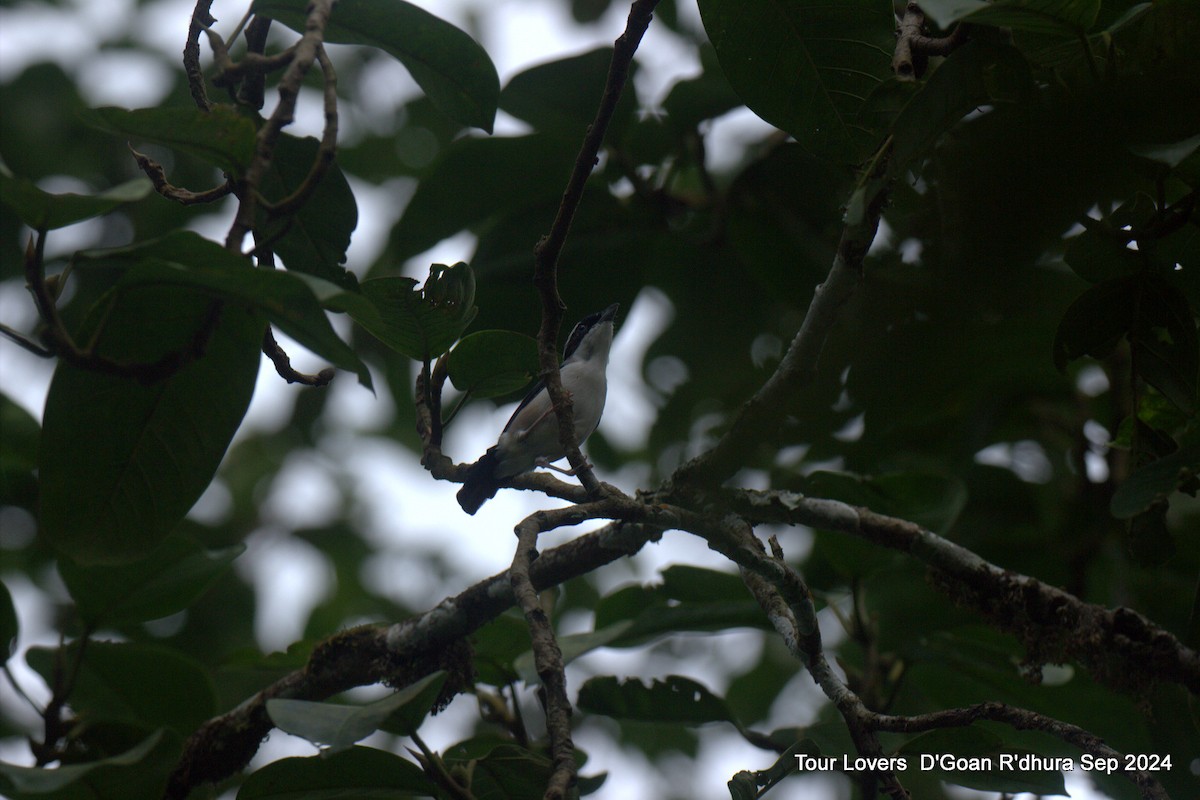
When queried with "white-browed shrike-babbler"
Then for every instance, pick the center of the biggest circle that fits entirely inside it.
(530, 439)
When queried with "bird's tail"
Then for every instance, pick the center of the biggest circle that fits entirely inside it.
(481, 484)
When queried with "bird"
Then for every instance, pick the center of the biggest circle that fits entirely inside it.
(530, 439)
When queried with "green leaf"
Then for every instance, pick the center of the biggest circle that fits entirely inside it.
(501, 770)
(358, 772)
(168, 580)
(492, 363)
(449, 66)
(976, 743)
(633, 615)
(978, 73)
(707, 96)
(1166, 350)
(476, 179)
(410, 320)
(1096, 255)
(1096, 321)
(19, 436)
(315, 238)
(110, 778)
(673, 700)
(561, 97)
(806, 67)
(340, 726)
(9, 626)
(222, 137)
(121, 462)
(134, 684)
(187, 259)
(1155, 482)
(42, 210)
(931, 501)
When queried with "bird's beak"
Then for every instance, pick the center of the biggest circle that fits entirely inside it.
(610, 314)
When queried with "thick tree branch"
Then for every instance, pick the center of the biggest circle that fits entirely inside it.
(1023, 720)
(397, 655)
(1119, 647)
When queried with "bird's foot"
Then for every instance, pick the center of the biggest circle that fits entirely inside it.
(542, 462)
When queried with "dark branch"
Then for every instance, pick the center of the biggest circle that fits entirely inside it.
(913, 47)
(158, 177)
(283, 365)
(549, 248)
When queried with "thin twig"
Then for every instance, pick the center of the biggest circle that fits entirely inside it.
(549, 248)
(201, 20)
(63, 344)
(913, 47)
(547, 659)
(252, 92)
(158, 176)
(1024, 720)
(283, 115)
(283, 365)
(25, 342)
(325, 152)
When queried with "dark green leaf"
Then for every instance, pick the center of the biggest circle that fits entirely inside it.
(45, 211)
(168, 580)
(340, 726)
(673, 700)
(448, 65)
(806, 67)
(978, 73)
(931, 501)
(116, 778)
(408, 320)
(984, 748)
(707, 96)
(135, 684)
(189, 260)
(1097, 255)
(318, 234)
(19, 436)
(357, 772)
(121, 462)
(492, 363)
(1150, 542)
(1155, 482)
(1165, 344)
(561, 97)
(476, 179)
(1096, 321)
(222, 137)
(501, 770)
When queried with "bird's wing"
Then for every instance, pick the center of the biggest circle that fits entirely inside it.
(540, 386)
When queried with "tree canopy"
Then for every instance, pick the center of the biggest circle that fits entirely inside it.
(924, 378)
